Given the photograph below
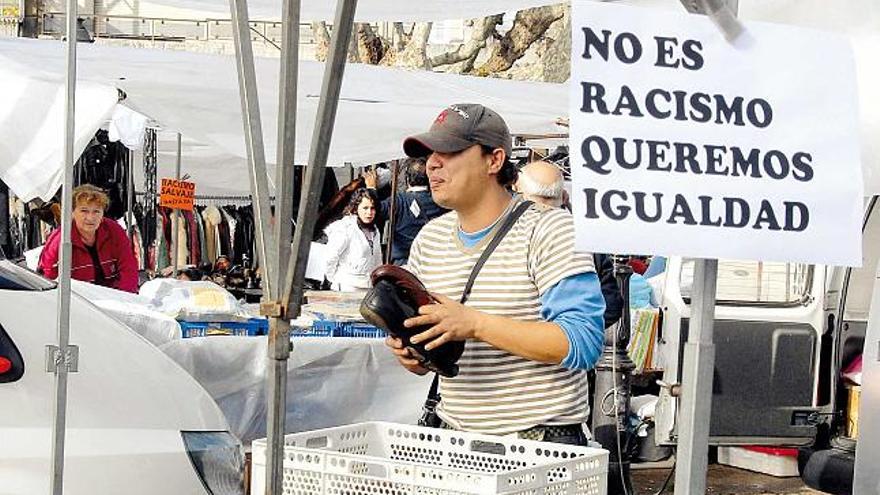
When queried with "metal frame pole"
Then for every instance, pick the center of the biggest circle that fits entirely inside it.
(59, 359)
(253, 135)
(696, 390)
(278, 349)
(294, 274)
(322, 134)
(392, 213)
(286, 156)
(266, 246)
(129, 215)
(698, 366)
(176, 223)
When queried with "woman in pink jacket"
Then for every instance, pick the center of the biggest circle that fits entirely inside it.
(101, 251)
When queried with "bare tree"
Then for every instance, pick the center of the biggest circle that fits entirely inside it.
(371, 47)
(322, 40)
(402, 37)
(415, 52)
(468, 52)
(528, 26)
(556, 60)
(543, 32)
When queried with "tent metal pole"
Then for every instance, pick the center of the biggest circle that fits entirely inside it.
(294, 273)
(322, 134)
(692, 456)
(286, 156)
(253, 135)
(698, 367)
(129, 214)
(278, 349)
(176, 223)
(62, 359)
(392, 214)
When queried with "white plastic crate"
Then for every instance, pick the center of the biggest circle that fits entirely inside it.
(391, 459)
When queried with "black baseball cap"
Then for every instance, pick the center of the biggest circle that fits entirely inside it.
(459, 127)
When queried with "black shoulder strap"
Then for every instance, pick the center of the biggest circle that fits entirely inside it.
(511, 218)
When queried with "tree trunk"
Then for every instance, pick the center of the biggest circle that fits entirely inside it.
(528, 26)
(371, 46)
(556, 61)
(415, 53)
(353, 52)
(468, 52)
(401, 37)
(322, 40)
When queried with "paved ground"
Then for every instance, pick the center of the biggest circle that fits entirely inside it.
(723, 480)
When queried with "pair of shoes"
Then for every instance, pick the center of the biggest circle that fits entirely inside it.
(396, 296)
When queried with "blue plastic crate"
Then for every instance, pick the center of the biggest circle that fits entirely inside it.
(250, 328)
(365, 330)
(334, 328)
(311, 331)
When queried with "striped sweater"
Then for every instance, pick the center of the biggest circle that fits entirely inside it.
(497, 392)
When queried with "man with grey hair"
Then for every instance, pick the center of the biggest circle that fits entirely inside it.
(541, 182)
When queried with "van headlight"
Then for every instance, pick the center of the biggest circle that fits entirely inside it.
(218, 458)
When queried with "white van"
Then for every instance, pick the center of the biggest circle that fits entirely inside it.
(136, 422)
(783, 333)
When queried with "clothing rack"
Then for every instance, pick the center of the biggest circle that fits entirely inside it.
(211, 198)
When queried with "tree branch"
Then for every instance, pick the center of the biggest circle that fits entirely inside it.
(468, 51)
(528, 26)
(322, 40)
(415, 52)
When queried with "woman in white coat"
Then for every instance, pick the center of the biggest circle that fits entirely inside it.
(353, 245)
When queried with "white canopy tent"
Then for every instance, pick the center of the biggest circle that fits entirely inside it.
(197, 95)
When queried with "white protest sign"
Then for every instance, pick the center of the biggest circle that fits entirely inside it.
(684, 144)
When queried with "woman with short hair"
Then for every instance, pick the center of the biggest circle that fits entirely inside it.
(100, 250)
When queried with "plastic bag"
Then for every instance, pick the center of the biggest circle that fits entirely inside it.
(193, 300)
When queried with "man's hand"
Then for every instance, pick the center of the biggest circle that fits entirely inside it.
(371, 179)
(404, 357)
(449, 320)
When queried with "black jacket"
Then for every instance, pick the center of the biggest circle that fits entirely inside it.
(610, 288)
(409, 219)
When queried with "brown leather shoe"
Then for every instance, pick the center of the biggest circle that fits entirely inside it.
(397, 295)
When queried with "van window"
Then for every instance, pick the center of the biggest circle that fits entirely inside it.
(754, 282)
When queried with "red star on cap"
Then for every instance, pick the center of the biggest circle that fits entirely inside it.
(442, 117)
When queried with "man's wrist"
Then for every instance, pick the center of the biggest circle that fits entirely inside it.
(481, 325)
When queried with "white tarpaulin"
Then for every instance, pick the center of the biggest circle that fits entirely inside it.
(330, 382)
(367, 10)
(197, 94)
(32, 124)
(690, 141)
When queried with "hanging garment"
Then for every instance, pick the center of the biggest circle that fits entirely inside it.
(232, 221)
(213, 218)
(182, 251)
(203, 240)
